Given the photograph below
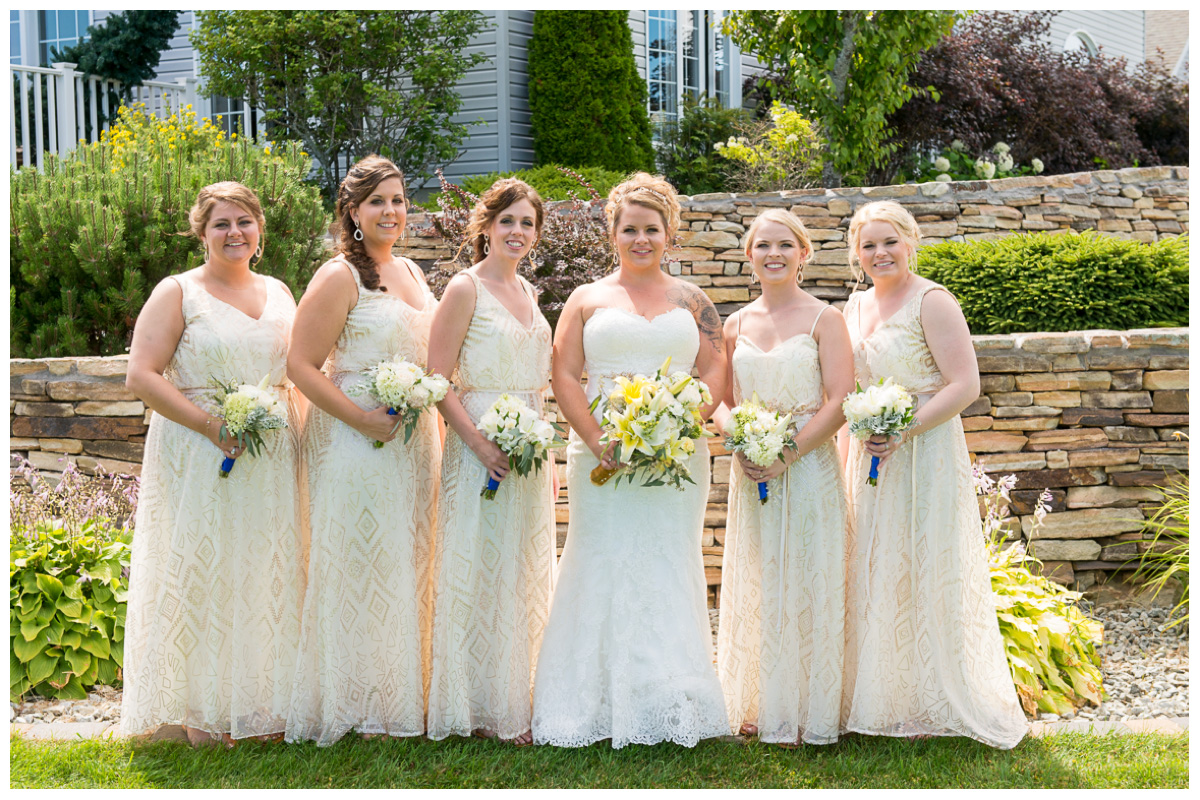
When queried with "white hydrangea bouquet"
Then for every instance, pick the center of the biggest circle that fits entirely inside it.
(882, 409)
(246, 411)
(656, 422)
(524, 437)
(760, 434)
(405, 389)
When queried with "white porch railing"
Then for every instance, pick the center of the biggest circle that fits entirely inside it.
(54, 108)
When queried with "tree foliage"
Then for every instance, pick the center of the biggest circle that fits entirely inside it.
(126, 47)
(96, 230)
(688, 147)
(347, 83)
(996, 78)
(846, 69)
(587, 102)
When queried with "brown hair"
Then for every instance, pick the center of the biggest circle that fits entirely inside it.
(882, 211)
(226, 192)
(650, 191)
(499, 196)
(788, 220)
(361, 179)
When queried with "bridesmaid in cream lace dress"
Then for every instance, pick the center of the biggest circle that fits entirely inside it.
(496, 556)
(217, 570)
(924, 651)
(364, 641)
(783, 591)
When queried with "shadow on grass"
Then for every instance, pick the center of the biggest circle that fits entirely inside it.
(1062, 761)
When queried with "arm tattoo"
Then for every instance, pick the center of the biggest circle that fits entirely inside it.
(705, 313)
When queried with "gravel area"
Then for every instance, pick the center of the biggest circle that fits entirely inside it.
(1145, 674)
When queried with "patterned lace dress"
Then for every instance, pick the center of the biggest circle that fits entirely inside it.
(779, 644)
(217, 572)
(496, 557)
(923, 653)
(364, 642)
(628, 652)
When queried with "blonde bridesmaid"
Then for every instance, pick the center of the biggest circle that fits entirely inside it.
(364, 643)
(924, 652)
(496, 557)
(779, 643)
(217, 572)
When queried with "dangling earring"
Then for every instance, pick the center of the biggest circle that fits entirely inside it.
(358, 234)
(204, 248)
(258, 253)
(487, 247)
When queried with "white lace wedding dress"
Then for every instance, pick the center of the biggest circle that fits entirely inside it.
(627, 652)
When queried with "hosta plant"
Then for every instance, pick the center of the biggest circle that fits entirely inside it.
(68, 574)
(1049, 642)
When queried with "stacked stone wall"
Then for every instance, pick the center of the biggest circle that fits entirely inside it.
(1091, 416)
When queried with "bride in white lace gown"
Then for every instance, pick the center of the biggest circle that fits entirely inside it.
(627, 652)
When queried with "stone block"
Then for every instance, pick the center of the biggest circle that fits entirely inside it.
(1092, 417)
(839, 207)
(996, 383)
(1067, 362)
(60, 445)
(1060, 478)
(1103, 457)
(1063, 381)
(1064, 549)
(124, 451)
(1052, 343)
(710, 239)
(1064, 399)
(1126, 380)
(1025, 424)
(1156, 420)
(91, 464)
(60, 366)
(1012, 399)
(1125, 551)
(1058, 571)
(1170, 402)
(1110, 496)
(1056, 459)
(995, 442)
(50, 462)
(979, 407)
(903, 190)
(1013, 362)
(1159, 460)
(720, 469)
(25, 366)
(88, 390)
(24, 409)
(727, 295)
(939, 229)
(35, 387)
(1123, 433)
(1066, 439)
(1009, 462)
(1145, 477)
(1117, 400)
(1165, 379)
(77, 427)
(976, 424)
(1025, 411)
(1173, 361)
(1024, 502)
(1109, 358)
(103, 366)
(22, 444)
(1088, 523)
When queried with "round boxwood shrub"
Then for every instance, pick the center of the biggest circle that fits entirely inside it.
(96, 230)
(1064, 282)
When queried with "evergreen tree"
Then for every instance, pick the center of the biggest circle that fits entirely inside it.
(587, 102)
(126, 47)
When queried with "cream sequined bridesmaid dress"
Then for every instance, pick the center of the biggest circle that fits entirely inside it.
(496, 556)
(779, 643)
(924, 651)
(364, 642)
(217, 570)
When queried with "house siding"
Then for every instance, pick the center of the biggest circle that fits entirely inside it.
(1117, 33)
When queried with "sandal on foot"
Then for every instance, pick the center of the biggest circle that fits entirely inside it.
(748, 729)
(483, 733)
(524, 740)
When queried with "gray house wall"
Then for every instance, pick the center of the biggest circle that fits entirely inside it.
(1117, 33)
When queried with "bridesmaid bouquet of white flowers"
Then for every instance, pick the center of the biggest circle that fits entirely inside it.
(655, 421)
(760, 434)
(882, 409)
(524, 437)
(246, 411)
(405, 389)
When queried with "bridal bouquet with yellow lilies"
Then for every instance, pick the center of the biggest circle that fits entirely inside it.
(655, 422)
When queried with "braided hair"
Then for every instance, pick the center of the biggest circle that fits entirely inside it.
(361, 180)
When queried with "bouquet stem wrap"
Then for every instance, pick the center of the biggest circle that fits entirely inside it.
(521, 434)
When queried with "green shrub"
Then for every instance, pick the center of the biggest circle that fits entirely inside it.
(1042, 282)
(1167, 557)
(68, 563)
(587, 103)
(1050, 644)
(549, 180)
(773, 154)
(687, 152)
(98, 229)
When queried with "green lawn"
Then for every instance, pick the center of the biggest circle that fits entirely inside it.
(1066, 760)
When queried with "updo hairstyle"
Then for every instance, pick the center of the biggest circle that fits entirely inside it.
(883, 211)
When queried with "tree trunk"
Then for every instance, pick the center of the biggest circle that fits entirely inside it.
(841, 74)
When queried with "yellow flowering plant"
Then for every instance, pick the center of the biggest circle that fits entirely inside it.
(655, 422)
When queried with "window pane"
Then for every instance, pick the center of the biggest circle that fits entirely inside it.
(49, 27)
(66, 25)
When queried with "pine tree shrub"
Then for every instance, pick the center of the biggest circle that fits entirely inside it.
(1065, 282)
(587, 102)
(94, 233)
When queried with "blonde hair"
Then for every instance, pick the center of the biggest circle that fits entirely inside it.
(882, 211)
(788, 220)
(226, 192)
(649, 191)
